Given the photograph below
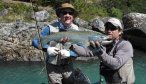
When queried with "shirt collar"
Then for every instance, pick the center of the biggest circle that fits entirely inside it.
(62, 26)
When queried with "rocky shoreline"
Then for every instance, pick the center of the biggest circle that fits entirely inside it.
(15, 39)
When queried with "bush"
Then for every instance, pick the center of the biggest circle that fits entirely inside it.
(88, 9)
(102, 12)
(20, 8)
(15, 11)
(115, 12)
(1, 6)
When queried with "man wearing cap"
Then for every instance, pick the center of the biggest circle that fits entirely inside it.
(116, 59)
(59, 70)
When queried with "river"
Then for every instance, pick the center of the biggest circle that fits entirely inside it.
(33, 73)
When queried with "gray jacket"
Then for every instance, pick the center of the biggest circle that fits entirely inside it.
(122, 59)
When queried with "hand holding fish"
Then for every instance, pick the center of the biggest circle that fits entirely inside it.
(94, 44)
(64, 53)
(64, 39)
(52, 51)
(68, 53)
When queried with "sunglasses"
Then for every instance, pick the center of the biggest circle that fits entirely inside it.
(111, 27)
(64, 12)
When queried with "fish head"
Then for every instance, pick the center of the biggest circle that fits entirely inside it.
(102, 39)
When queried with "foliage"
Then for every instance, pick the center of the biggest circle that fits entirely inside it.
(88, 9)
(123, 6)
(115, 12)
(16, 11)
(53, 3)
(19, 8)
(1, 6)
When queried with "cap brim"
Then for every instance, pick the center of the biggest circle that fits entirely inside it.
(110, 23)
(115, 24)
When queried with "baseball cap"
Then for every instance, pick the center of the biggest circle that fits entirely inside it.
(115, 22)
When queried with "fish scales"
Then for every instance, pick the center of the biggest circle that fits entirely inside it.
(77, 37)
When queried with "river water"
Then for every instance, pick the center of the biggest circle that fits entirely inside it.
(33, 73)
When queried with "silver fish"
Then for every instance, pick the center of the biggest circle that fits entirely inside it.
(77, 37)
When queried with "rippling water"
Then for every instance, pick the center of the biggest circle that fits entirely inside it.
(33, 73)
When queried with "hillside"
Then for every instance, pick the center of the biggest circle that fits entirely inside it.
(10, 10)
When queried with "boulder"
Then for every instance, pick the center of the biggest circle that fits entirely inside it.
(16, 43)
(135, 29)
(97, 25)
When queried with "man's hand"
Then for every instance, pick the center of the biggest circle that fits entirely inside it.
(94, 44)
(64, 39)
(52, 51)
(64, 53)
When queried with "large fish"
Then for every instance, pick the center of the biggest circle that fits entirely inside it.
(77, 37)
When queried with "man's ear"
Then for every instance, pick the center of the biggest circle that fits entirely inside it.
(120, 32)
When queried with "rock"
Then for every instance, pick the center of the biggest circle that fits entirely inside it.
(135, 29)
(16, 43)
(41, 15)
(134, 20)
(82, 23)
(4, 12)
(97, 25)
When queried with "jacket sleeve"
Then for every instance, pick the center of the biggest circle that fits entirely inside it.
(82, 51)
(124, 52)
(36, 42)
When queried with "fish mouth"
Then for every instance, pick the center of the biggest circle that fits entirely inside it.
(106, 42)
(106, 38)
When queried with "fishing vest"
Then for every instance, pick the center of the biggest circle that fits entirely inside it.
(123, 75)
(57, 60)
(112, 76)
